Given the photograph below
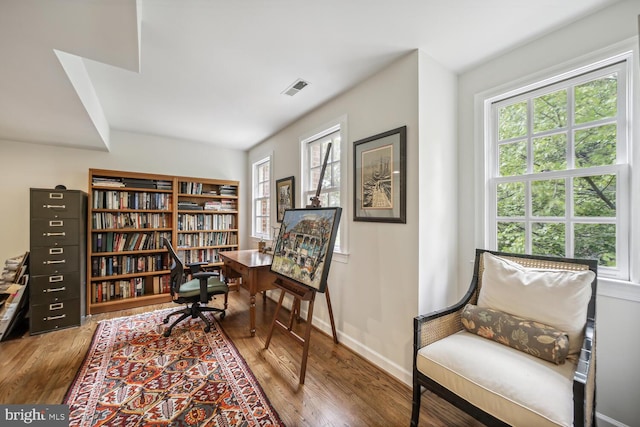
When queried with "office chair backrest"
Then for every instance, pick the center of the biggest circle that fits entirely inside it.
(177, 268)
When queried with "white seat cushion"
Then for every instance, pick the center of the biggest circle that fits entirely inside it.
(518, 388)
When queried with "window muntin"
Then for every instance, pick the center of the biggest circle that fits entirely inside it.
(333, 192)
(317, 150)
(557, 177)
(261, 198)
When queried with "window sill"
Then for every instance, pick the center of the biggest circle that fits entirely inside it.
(620, 289)
(340, 257)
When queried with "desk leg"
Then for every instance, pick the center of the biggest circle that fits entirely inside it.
(253, 286)
(252, 314)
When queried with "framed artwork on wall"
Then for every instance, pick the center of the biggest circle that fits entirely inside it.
(380, 177)
(304, 247)
(285, 195)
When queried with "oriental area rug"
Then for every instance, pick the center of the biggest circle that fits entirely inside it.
(133, 376)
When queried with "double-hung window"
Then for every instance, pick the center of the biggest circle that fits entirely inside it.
(333, 191)
(261, 210)
(558, 168)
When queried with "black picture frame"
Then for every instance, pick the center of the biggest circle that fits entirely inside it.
(380, 172)
(285, 196)
(304, 247)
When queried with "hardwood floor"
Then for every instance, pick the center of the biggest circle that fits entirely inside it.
(341, 388)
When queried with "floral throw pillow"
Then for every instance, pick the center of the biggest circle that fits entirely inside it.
(526, 335)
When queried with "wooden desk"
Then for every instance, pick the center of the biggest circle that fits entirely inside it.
(255, 269)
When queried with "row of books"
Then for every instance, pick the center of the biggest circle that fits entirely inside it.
(107, 220)
(105, 181)
(118, 242)
(194, 222)
(228, 190)
(108, 290)
(214, 238)
(220, 205)
(103, 266)
(105, 199)
(192, 206)
(194, 188)
(200, 188)
(198, 255)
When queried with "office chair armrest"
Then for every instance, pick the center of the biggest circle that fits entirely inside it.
(196, 266)
(203, 276)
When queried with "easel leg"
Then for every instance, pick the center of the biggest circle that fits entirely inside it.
(275, 317)
(307, 336)
(333, 323)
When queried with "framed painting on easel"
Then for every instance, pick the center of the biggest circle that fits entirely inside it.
(304, 246)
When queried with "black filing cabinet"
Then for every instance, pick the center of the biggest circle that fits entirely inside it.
(57, 263)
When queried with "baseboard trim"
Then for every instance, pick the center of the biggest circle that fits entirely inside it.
(354, 345)
(604, 421)
(375, 358)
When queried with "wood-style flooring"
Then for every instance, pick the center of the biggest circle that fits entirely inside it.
(341, 388)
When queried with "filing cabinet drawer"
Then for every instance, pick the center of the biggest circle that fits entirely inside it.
(48, 317)
(50, 232)
(55, 204)
(54, 260)
(55, 288)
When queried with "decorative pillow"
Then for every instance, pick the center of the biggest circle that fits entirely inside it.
(537, 339)
(558, 298)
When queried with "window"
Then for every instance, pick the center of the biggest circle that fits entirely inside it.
(261, 202)
(558, 169)
(333, 192)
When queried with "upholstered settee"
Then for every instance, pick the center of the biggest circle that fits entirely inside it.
(519, 348)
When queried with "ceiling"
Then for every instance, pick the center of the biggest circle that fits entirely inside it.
(214, 70)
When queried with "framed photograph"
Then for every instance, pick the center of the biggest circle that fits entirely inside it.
(304, 247)
(285, 195)
(380, 163)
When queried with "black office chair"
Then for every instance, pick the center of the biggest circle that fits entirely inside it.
(200, 289)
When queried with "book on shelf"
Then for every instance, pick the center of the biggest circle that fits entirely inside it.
(189, 206)
(228, 190)
(163, 184)
(139, 183)
(107, 181)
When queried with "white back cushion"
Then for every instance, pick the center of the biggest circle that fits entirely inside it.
(554, 297)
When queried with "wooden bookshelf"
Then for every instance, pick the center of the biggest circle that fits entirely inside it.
(129, 214)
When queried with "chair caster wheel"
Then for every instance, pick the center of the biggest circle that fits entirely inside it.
(222, 315)
(207, 328)
(166, 333)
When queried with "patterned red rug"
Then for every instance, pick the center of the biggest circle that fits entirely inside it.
(134, 376)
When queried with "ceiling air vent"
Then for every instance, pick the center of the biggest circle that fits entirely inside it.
(296, 87)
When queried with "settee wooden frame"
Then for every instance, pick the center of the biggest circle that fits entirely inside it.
(440, 324)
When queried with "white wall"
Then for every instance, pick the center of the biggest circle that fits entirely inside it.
(375, 294)
(27, 166)
(438, 180)
(618, 382)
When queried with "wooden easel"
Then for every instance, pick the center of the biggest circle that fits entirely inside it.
(300, 293)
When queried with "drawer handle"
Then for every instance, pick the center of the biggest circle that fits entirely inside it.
(56, 223)
(56, 251)
(56, 195)
(62, 261)
(49, 290)
(56, 306)
(54, 206)
(62, 233)
(62, 316)
(54, 279)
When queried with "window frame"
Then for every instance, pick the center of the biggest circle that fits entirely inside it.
(254, 197)
(621, 63)
(341, 250)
